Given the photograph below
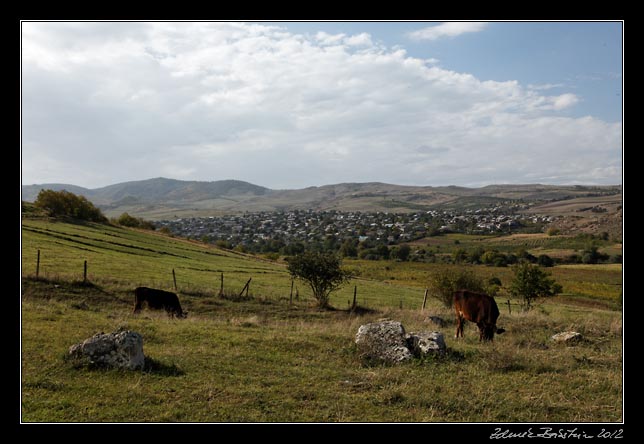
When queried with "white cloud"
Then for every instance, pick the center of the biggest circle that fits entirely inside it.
(210, 101)
(447, 29)
(545, 86)
(362, 39)
(564, 101)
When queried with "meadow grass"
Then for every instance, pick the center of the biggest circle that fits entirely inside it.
(265, 359)
(534, 243)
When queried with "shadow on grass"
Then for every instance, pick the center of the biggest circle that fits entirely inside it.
(360, 311)
(150, 365)
(234, 297)
(159, 368)
(450, 355)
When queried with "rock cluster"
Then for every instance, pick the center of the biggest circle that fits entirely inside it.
(386, 341)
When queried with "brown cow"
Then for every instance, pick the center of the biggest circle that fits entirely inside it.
(478, 308)
(157, 300)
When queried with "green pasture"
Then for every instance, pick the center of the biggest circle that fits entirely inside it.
(268, 358)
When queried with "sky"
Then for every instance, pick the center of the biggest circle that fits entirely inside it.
(297, 104)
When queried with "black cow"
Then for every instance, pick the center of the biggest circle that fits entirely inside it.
(478, 308)
(158, 300)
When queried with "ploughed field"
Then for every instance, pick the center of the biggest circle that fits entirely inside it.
(274, 357)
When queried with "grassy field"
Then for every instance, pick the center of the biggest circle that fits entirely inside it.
(264, 360)
(534, 243)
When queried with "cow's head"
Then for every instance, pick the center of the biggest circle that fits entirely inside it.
(487, 332)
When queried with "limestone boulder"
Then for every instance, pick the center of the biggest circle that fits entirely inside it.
(383, 341)
(120, 349)
(426, 343)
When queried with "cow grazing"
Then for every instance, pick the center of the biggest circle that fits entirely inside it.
(478, 308)
(158, 300)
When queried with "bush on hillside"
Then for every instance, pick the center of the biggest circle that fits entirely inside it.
(126, 220)
(66, 204)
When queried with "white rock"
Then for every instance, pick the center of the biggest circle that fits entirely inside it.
(121, 349)
(383, 341)
(426, 342)
(567, 337)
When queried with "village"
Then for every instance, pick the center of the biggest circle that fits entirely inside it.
(310, 226)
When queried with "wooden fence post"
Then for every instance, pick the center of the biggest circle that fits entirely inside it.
(85, 271)
(424, 299)
(355, 293)
(509, 309)
(38, 264)
(401, 304)
(297, 293)
(245, 288)
(221, 286)
(290, 299)
(174, 279)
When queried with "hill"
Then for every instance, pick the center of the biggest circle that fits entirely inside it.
(163, 198)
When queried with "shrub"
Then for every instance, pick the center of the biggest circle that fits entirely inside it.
(460, 255)
(222, 243)
(616, 259)
(322, 271)
(66, 204)
(444, 283)
(525, 256)
(476, 255)
(545, 261)
(347, 249)
(552, 231)
(126, 220)
(492, 286)
(401, 253)
(166, 231)
(591, 255)
(272, 256)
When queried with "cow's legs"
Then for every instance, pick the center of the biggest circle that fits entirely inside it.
(481, 331)
(459, 326)
(137, 307)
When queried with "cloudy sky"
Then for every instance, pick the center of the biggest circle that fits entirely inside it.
(291, 105)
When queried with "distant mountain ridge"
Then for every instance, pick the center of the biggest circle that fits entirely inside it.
(166, 198)
(151, 190)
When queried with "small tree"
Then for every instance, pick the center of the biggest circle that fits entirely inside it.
(444, 283)
(322, 271)
(530, 282)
